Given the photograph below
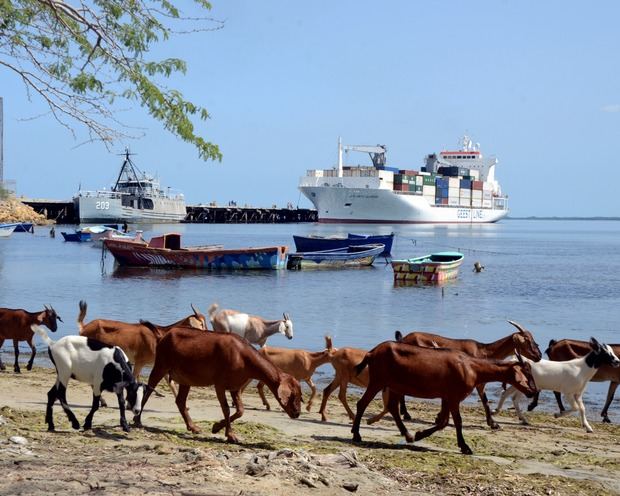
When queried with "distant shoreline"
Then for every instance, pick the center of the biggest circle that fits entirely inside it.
(563, 218)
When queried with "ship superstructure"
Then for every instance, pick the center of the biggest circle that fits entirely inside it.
(454, 186)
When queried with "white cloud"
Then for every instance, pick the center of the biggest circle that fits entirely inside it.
(611, 108)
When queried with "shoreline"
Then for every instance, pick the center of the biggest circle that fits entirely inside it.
(278, 455)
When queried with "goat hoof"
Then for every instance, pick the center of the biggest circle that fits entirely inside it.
(494, 425)
(217, 427)
(126, 428)
(29, 366)
(557, 415)
(231, 438)
(17, 371)
(417, 436)
(406, 416)
(357, 438)
(466, 450)
(75, 425)
(409, 438)
(606, 420)
(524, 422)
(87, 427)
(51, 428)
(2, 367)
(531, 407)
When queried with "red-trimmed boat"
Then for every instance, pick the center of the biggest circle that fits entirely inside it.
(166, 251)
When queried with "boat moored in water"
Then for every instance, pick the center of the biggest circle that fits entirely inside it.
(319, 243)
(433, 268)
(6, 230)
(135, 197)
(349, 256)
(166, 251)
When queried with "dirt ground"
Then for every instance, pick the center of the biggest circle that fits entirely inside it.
(278, 455)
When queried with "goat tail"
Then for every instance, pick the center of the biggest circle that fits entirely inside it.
(398, 336)
(328, 343)
(362, 365)
(43, 333)
(212, 311)
(81, 316)
(551, 345)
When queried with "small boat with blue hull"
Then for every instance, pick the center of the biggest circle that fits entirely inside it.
(6, 230)
(78, 236)
(166, 251)
(349, 256)
(433, 268)
(320, 243)
(27, 227)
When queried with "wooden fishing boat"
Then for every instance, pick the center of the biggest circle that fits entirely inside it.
(6, 230)
(349, 256)
(166, 251)
(433, 268)
(321, 243)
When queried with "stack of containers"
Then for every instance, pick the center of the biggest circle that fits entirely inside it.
(465, 193)
(441, 191)
(476, 194)
(428, 187)
(453, 191)
(401, 182)
(487, 191)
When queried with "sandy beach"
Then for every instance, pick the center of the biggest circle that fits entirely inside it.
(278, 455)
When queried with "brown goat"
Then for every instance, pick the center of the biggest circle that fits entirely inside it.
(567, 349)
(433, 373)
(300, 364)
(138, 341)
(223, 360)
(15, 325)
(522, 341)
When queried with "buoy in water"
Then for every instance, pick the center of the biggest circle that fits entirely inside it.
(478, 267)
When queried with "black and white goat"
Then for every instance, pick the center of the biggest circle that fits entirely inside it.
(104, 367)
(569, 378)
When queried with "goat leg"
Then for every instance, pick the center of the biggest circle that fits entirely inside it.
(181, 402)
(610, 397)
(88, 421)
(221, 396)
(137, 420)
(121, 408)
(362, 404)
(380, 415)
(487, 410)
(534, 403)
(458, 424)
(236, 395)
(558, 398)
(52, 394)
(326, 393)
(440, 422)
(393, 401)
(62, 396)
(33, 354)
(403, 409)
(312, 393)
(16, 350)
(261, 392)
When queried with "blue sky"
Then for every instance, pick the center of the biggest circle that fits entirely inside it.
(536, 83)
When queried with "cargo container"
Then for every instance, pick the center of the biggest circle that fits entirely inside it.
(453, 182)
(428, 190)
(486, 203)
(476, 203)
(476, 195)
(487, 186)
(453, 201)
(419, 180)
(465, 184)
(464, 202)
(474, 174)
(453, 192)
(476, 185)
(465, 193)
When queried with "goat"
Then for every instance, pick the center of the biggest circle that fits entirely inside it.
(567, 349)
(522, 341)
(343, 361)
(15, 325)
(569, 377)
(87, 360)
(138, 341)
(432, 373)
(251, 327)
(300, 364)
(223, 360)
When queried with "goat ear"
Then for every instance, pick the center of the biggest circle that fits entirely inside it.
(284, 393)
(119, 386)
(595, 344)
(398, 336)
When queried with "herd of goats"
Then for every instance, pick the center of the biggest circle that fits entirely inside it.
(418, 364)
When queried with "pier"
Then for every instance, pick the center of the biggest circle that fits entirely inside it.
(64, 212)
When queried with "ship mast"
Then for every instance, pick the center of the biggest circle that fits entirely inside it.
(129, 169)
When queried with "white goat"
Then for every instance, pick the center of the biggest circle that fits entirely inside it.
(253, 328)
(569, 378)
(102, 366)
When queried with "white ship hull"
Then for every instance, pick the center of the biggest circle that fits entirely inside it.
(101, 209)
(364, 205)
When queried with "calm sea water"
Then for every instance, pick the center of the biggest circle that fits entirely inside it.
(560, 279)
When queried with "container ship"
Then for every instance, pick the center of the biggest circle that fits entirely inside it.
(135, 197)
(456, 186)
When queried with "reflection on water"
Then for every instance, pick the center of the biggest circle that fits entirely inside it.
(558, 279)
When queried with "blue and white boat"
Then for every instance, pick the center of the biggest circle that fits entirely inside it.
(349, 256)
(6, 230)
(320, 243)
